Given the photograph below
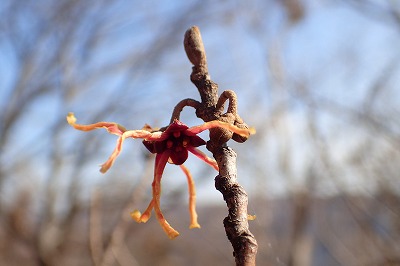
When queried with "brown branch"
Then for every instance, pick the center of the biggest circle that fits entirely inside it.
(179, 107)
(227, 95)
(236, 223)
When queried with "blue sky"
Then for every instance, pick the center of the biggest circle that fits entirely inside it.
(335, 52)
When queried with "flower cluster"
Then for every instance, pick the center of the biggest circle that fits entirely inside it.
(171, 144)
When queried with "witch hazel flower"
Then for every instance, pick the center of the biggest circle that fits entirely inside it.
(171, 144)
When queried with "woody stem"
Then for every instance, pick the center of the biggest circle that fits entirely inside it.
(236, 224)
(179, 107)
(232, 107)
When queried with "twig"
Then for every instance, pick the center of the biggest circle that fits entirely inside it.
(211, 108)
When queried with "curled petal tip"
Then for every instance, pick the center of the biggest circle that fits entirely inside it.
(136, 215)
(71, 118)
(106, 166)
(103, 169)
(251, 217)
(173, 234)
(196, 225)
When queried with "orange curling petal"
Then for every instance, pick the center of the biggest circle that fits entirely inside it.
(204, 157)
(127, 134)
(112, 128)
(192, 198)
(161, 161)
(215, 123)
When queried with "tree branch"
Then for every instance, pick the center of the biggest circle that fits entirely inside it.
(236, 223)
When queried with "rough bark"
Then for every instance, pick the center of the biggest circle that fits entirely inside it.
(236, 223)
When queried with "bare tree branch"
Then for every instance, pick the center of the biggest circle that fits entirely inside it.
(236, 223)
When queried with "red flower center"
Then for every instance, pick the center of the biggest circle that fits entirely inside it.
(176, 139)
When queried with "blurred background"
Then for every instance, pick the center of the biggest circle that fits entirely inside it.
(318, 80)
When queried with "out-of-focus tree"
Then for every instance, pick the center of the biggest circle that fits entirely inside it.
(96, 58)
(341, 135)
